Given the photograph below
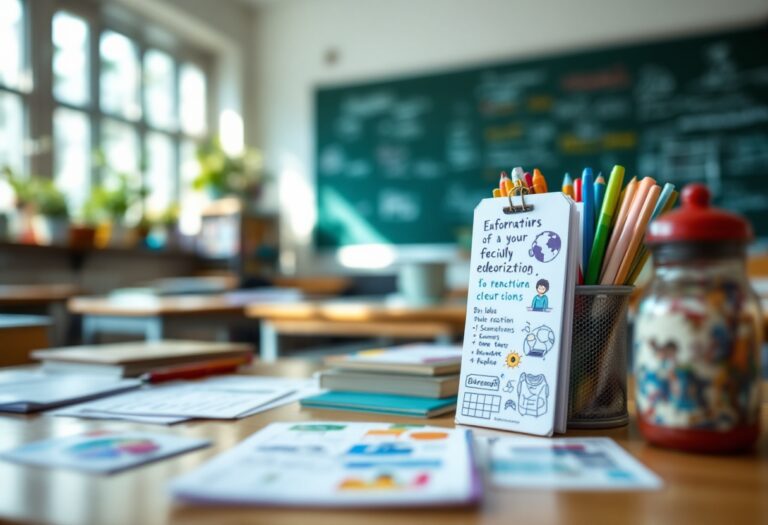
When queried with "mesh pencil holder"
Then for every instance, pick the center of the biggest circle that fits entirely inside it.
(598, 384)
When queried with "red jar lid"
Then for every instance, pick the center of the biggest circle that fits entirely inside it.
(698, 222)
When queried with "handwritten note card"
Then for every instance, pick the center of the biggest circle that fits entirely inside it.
(516, 355)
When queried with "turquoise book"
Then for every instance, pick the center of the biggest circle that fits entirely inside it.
(381, 403)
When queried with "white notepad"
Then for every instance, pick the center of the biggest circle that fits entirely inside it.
(516, 355)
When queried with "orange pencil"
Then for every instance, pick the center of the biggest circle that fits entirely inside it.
(611, 266)
(496, 192)
(539, 182)
(638, 234)
(503, 187)
(568, 185)
(625, 201)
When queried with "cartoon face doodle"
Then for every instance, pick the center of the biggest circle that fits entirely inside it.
(540, 301)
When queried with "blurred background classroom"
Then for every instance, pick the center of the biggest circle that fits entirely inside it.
(301, 174)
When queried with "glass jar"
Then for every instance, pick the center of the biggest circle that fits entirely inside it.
(698, 333)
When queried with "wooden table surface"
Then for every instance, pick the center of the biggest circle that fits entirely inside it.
(698, 489)
(35, 294)
(154, 306)
(359, 310)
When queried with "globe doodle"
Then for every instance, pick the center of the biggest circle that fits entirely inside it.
(545, 246)
(539, 341)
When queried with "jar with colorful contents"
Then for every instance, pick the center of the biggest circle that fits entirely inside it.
(698, 332)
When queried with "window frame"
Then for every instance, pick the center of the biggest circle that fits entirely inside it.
(25, 93)
(39, 103)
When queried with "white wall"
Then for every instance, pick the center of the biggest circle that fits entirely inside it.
(376, 38)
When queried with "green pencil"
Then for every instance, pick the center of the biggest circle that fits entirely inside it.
(607, 211)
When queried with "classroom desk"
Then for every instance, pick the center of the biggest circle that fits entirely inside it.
(698, 489)
(40, 298)
(356, 318)
(20, 335)
(152, 317)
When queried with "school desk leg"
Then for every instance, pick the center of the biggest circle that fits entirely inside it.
(154, 329)
(268, 342)
(59, 323)
(90, 329)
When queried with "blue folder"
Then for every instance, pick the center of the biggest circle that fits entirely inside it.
(381, 403)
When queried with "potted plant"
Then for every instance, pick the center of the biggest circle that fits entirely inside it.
(222, 174)
(51, 220)
(43, 208)
(107, 207)
(163, 228)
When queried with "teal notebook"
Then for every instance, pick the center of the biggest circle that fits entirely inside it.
(381, 403)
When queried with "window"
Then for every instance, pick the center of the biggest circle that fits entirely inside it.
(120, 80)
(140, 103)
(13, 84)
(72, 162)
(71, 37)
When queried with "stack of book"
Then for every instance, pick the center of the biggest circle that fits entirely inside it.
(152, 361)
(419, 380)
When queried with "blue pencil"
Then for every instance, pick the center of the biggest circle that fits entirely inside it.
(666, 193)
(588, 234)
(599, 192)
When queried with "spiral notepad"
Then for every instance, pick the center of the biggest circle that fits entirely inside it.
(516, 354)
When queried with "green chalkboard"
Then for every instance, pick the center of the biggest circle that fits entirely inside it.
(405, 160)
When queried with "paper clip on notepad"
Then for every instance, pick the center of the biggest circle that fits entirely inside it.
(522, 191)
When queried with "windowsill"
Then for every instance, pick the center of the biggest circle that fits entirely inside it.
(82, 250)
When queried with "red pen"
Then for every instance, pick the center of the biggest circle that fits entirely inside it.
(195, 370)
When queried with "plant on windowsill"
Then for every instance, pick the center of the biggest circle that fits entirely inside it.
(107, 207)
(43, 207)
(222, 174)
(162, 228)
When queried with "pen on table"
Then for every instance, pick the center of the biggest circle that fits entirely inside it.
(599, 195)
(607, 210)
(567, 185)
(194, 370)
(539, 182)
(588, 234)
(577, 189)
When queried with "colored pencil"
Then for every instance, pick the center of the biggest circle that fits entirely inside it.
(503, 186)
(643, 253)
(599, 194)
(528, 179)
(638, 234)
(517, 177)
(577, 189)
(567, 185)
(625, 232)
(496, 192)
(588, 234)
(539, 182)
(625, 202)
(607, 211)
